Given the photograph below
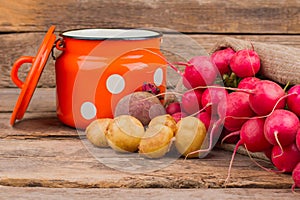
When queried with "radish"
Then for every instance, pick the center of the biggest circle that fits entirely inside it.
(296, 177)
(221, 58)
(199, 71)
(268, 153)
(235, 110)
(265, 96)
(252, 137)
(293, 100)
(173, 108)
(191, 101)
(298, 138)
(287, 160)
(178, 116)
(245, 63)
(212, 96)
(229, 137)
(248, 83)
(205, 117)
(281, 127)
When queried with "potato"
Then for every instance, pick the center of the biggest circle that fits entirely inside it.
(156, 141)
(141, 105)
(96, 131)
(189, 136)
(124, 133)
(166, 120)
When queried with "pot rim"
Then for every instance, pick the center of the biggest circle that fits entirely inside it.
(111, 34)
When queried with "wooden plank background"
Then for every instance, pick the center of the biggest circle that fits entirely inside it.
(42, 157)
(24, 23)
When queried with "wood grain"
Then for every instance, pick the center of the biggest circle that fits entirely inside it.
(194, 16)
(151, 194)
(176, 47)
(40, 151)
(70, 163)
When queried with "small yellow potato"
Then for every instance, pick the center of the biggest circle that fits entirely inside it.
(156, 141)
(96, 131)
(125, 133)
(189, 136)
(166, 120)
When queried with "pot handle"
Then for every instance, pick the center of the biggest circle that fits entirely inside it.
(15, 69)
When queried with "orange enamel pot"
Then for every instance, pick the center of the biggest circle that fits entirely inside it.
(97, 67)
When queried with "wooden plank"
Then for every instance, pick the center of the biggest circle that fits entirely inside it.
(176, 47)
(35, 126)
(43, 100)
(73, 163)
(183, 15)
(151, 194)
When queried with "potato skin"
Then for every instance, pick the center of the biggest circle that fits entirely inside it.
(141, 105)
(189, 136)
(166, 120)
(156, 141)
(96, 131)
(124, 134)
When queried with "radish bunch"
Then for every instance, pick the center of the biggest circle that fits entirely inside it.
(263, 115)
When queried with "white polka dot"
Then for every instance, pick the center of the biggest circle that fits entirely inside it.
(158, 77)
(88, 110)
(115, 84)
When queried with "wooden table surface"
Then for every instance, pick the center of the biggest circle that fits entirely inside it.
(40, 158)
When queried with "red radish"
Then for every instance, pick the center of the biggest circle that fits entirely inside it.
(177, 116)
(268, 153)
(221, 58)
(252, 136)
(248, 83)
(281, 127)
(205, 117)
(293, 101)
(199, 71)
(245, 63)
(296, 177)
(191, 101)
(213, 96)
(228, 137)
(298, 138)
(265, 96)
(173, 108)
(287, 160)
(235, 110)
